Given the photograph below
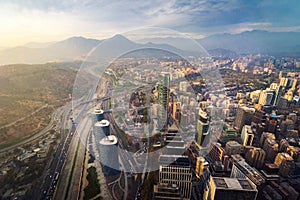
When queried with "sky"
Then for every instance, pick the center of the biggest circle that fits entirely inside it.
(24, 21)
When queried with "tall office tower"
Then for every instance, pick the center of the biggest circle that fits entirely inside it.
(259, 116)
(164, 191)
(243, 117)
(294, 152)
(255, 157)
(285, 163)
(266, 97)
(280, 75)
(286, 126)
(278, 94)
(109, 155)
(282, 157)
(175, 107)
(163, 100)
(202, 127)
(284, 82)
(98, 115)
(172, 104)
(177, 114)
(293, 84)
(241, 169)
(247, 135)
(233, 147)
(200, 168)
(221, 188)
(283, 145)
(101, 129)
(216, 153)
(271, 148)
(201, 165)
(264, 136)
(174, 169)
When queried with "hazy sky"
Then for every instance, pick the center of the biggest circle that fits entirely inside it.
(23, 21)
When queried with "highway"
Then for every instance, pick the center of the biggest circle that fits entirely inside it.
(53, 173)
(69, 186)
(67, 162)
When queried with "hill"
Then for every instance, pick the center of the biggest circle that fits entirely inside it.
(27, 89)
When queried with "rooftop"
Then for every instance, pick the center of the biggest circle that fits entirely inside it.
(102, 123)
(233, 183)
(109, 140)
(98, 111)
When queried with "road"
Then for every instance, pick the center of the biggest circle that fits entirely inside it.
(35, 136)
(53, 173)
(69, 186)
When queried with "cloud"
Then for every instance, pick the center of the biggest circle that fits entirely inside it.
(108, 17)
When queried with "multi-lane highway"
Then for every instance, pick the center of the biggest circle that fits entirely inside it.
(58, 160)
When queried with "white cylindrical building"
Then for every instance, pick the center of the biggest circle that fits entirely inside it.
(98, 115)
(109, 155)
(101, 129)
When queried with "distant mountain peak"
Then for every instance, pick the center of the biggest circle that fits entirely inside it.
(118, 37)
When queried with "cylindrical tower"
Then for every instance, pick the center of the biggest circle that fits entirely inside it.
(109, 155)
(98, 115)
(101, 129)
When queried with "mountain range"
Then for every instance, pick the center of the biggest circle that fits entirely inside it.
(76, 48)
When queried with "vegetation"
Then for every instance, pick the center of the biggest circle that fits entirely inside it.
(91, 159)
(93, 187)
(29, 94)
(149, 183)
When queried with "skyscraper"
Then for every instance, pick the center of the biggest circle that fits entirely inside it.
(266, 97)
(255, 157)
(101, 129)
(98, 115)
(216, 153)
(243, 117)
(163, 100)
(202, 127)
(247, 136)
(278, 94)
(271, 148)
(174, 169)
(109, 156)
